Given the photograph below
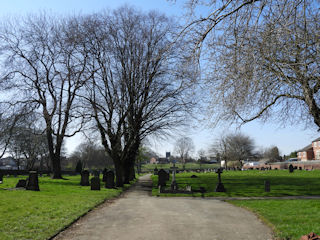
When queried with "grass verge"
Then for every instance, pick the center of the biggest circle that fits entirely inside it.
(290, 218)
(40, 215)
(249, 183)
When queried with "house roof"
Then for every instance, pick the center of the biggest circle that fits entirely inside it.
(316, 140)
(306, 148)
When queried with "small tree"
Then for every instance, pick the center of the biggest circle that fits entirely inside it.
(184, 146)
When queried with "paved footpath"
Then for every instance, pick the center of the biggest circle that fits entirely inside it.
(138, 215)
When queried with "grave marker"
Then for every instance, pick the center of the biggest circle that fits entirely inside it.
(95, 183)
(104, 175)
(291, 168)
(174, 185)
(85, 178)
(162, 179)
(267, 186)
(33, 183)
(22, 183)
(110, 180)
(220, 187)
(1, 177)
(155, 171)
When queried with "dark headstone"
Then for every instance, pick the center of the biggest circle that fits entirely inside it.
(33, 183)
(291, 169)
(267, 186)
(110, 180)
(96, 173)
(104, 175)
(155, 171)
(162, 178)
(85, 178)
(1, 177)
(22, 183)
(300, 168)
(194, 176)
(95, 183)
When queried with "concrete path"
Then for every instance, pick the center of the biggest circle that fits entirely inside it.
(138, 215)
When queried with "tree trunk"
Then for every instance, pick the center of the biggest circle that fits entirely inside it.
(56, 167)
(119, 173)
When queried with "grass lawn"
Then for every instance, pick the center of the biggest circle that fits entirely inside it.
(290, 218)
(249, 183)
(151, 167)
(40, 215)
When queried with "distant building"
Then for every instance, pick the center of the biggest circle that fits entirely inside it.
(163, 160)
(310, 152)
(153, 160)
(8, 163)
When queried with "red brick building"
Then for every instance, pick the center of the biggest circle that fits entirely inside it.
(310, 152)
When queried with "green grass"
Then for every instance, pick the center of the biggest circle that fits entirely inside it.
(39, 215)
(151, 167)
(290, 218)
(250, 183)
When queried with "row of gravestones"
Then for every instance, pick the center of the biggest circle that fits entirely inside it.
(108, 178)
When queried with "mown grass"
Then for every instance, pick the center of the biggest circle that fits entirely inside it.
(249, 183)
(151, 167)
(290, 218)
(40, 215)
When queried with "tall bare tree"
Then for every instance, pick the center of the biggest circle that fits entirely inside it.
(265, 58)
(234, 147)
(136, 90)
(45, 67)
(184, 146)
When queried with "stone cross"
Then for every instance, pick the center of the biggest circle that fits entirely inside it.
(220, 187)
(174, 185)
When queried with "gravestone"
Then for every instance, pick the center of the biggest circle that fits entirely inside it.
(300, 168)
(104, 175)
(33, 183)
(162, 178)
(291, 169)
(1, 177)
(220, 187)
(267, 186)
(22, 183)
(110, 180)
(96, 173)
(194, 176)
(95, 183)
(174, 185)
(155, 171)
(85, 178)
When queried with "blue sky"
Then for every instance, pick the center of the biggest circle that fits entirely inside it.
(287, 139)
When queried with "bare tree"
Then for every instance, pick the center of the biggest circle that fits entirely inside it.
(234, 147)
(220, 149)
(44, 67)
(91, 156)
(184, 146)
(265, 58)
(136, 90)
(28, 144)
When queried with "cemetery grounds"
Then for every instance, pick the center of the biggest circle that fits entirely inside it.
(42, 214)
(289, 218)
